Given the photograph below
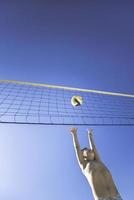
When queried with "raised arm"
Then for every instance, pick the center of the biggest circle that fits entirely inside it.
(92, 144)
(77, 148)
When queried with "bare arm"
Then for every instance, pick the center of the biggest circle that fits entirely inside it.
(92, 145)
(78, 152)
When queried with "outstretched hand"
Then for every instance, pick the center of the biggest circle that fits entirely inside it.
(73, 130)
(90, 132)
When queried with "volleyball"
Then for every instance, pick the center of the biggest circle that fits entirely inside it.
(76, 101)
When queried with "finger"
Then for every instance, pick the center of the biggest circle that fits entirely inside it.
(71, 129)
(90, 130)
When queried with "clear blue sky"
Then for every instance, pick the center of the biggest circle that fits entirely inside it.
(86, 44)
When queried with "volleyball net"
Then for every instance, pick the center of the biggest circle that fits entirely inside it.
(31, 103)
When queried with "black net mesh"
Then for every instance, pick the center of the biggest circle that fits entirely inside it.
(34, 104)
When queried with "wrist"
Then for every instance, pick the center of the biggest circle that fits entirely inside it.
(74, 133)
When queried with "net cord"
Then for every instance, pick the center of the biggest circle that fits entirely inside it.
(69, 88)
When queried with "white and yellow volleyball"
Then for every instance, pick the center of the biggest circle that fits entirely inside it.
(76, 101)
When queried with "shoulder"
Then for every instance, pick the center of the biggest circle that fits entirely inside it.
(96, 166)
